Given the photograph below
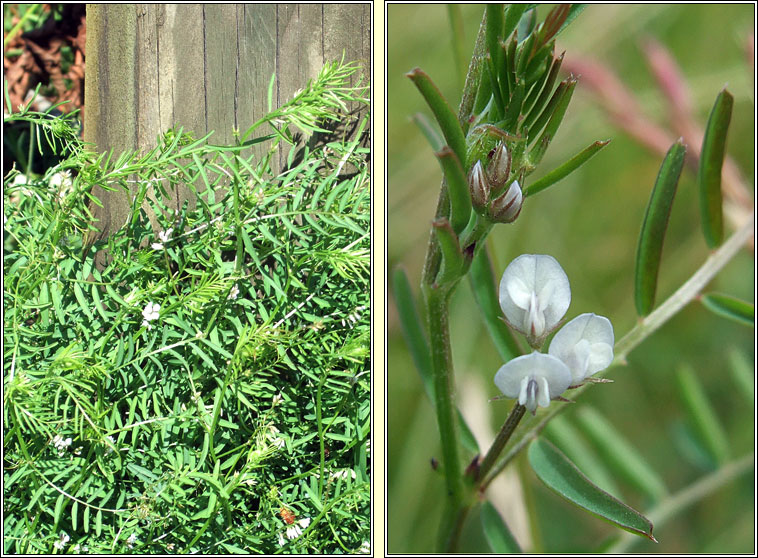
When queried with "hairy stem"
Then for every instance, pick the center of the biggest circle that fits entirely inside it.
(436, 301)
(442, 364)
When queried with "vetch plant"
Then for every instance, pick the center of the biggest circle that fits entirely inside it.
(512, 107)
(217, 363)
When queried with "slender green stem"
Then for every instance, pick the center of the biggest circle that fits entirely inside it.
(436, 302)
(31, 11)
(676, 503)
(514, 417)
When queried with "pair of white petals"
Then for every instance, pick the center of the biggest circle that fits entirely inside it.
(534, 296)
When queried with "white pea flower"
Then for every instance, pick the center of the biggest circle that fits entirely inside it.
(585, 345)
(151, 312)
(281, 539)
(164, 236)
(535, 379)
(61, 444)
(234, 293)
(534, 295)
(305, 522)
(294, 531)
(131, 540)
(61, 542)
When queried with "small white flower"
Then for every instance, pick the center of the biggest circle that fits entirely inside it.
(343, 474)
(164, 236)
(111, 445)
(234, 292)
(276, 400)
(535, 379)
(534, 295)
(294, 531)
(151, 312)
(131, 540)
(365, 548)
(281, 539)
(61, 444)
(585, 345)
(62, 182)
(61, 542)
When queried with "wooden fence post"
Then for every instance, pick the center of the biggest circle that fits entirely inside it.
(205, 67)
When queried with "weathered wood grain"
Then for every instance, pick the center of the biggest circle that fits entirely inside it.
(205, 68)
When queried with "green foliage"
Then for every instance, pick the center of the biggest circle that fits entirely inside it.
(187, 430)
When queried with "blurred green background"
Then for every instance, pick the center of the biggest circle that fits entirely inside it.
(589, 222)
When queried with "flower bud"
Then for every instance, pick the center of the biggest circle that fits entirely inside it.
(478, 187)
(507, 207)
(499, 167)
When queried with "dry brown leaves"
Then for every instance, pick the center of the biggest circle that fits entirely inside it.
(40, 60)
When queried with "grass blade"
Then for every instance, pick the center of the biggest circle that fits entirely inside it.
(704, 421)
(619, 454)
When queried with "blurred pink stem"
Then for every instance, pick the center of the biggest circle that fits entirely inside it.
(625, 112)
